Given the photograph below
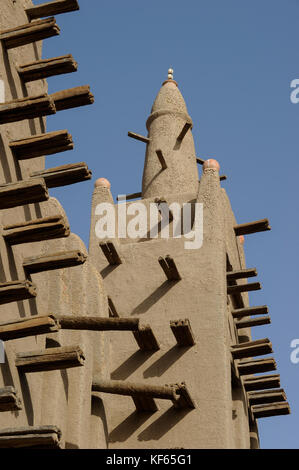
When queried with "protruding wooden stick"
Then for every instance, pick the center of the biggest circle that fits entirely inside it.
(29, 32)
(42, 144)
(15, 291)
(72, 98)
(70, 322)
(251, 322)
(128, 197)
(169, 268)
(111, 254)
(177, 393)
(52, 261)
(247, 311)
(256, 366)
(252, 348)
(41, 69)
(146, 140)
(50, 359)
(64, 175)
(266, 396)
(184, 131)
(252, 227)
(26, 108)
(52, 8)
(28, 327)
(261, 383)
(23, 192)
(161, 159)
(36, 230)
(146, 339)
(238, 288)
(270, 409)
(241, 274)
(44, 437)
(200, 161)
(223, 177)
(9, 400)
(182, 332)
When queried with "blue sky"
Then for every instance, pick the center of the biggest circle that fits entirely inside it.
(234, 61)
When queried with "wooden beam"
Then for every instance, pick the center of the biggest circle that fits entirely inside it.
(16, 291)
(44, 437)
(184, 131)
(50, 359)
(252, 227)
(46, 228)
(223, 177)
(247, 311)
(169, 268)
(52, 8)
(270, 409)
(182, 332)
(72, 98)
(22, 193)
(251, 322)
(26, 108)
(41, 69)
(33, 326)
(200, 161)
(52, 261)
(262, 397)
(64, 175)
(111, 254)
(241, 274)
(70, 322)
(256, 366)
(161, 159)
(146, 339)
(261, 383)
(252, 348)
(29, 33)
(139, 137)
(42, 144)
(9, 400)
(128, 197)
(238, 288)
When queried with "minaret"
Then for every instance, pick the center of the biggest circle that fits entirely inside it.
(169, 131)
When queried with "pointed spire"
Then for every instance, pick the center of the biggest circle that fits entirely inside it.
(169, 131)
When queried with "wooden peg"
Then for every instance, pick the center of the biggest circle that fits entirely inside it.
(184, 131)
(71, 322)
(28, 327)
(247, 311)
(64, 175)
(251, 348)
(169, 268)
(241, 274)
(262, 397)
(252, 227)
(139, 137)
(23, 192)
(42, 144)
(238, 288)
(52, 261)
(182, 332)
(270, 409)
(257, 366)
(200, 161)
(128, 197)
(52, 8)
(44, 437)
(26, 108)
(41, 69)
(16, 291)
(251, 322)
(46, 228)
(223, 177)
(110, 252)
(146, 339)
(9, 400)
(261, 383)
(50, 359)
(72, 98)
(29, 33)
(161, 159)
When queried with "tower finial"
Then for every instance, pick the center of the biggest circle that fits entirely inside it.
(170, 74)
